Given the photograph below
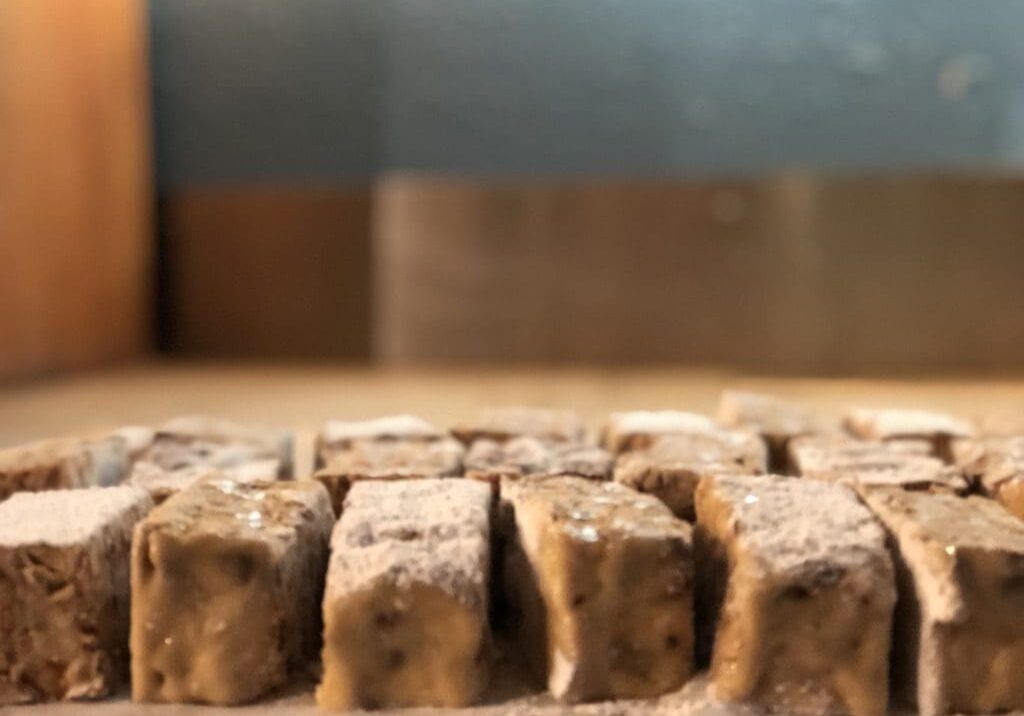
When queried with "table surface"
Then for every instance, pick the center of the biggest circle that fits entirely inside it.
(303, 397)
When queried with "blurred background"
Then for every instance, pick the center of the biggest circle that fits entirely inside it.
(832, 187)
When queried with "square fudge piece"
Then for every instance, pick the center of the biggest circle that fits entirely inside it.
(340, 435)
(161, 483)
(501, 424)
(638, 429)
(226, 584)
(777, 421)
(599, 579)
(405, 609)
(938, 429)
(62, 464)
(823, 452)
(959, 637)
(673, 466)
(64, 592)
(798, 588)
(198, 441)
(494, 461)
(388, 460)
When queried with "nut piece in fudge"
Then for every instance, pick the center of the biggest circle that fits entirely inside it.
(798, 589)
(340, 435)
(198, 441)
(61, 464)
(959, 636)
(638, 429)
(777, 421)
(226, 585)
(502, 424)
(599, 581)
(938, 429)
(388, 460)
(494, 461)
(405, 608)
(671, 468)
(64, 592)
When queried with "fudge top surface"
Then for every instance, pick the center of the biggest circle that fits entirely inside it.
(532, 456)
(430, 531)
(392, 427)
(719, 446)
(42, 453)
(817, 452)
(162, 481)
(519, 421)
(201, 427)
(908, 472)
(65, 517)
(653, 422)
(391, 458)
(588, 510)
(221, 507)
(949, 521)
(789, 523)
(881, 424)
(768, 414)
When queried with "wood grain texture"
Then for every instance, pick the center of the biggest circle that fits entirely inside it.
(795, 273)
(268, 271)
(75, 184)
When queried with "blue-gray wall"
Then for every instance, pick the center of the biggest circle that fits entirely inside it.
(326, 90)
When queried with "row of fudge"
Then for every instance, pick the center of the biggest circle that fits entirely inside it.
(785, 584)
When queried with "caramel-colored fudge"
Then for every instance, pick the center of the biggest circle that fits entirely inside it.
(340, 435)
(493, 461)
(1003, 480)
(64, 559)
(599, 580)
(640, 428)
(198, 441)
(777, 421)
(501, 424)
(936, 428)
(405, 609)
(161, 483)
(226, 585)
(959, 636)
(62, 464)
(671, 468)
(798, 588)
(388, 460)
(822, 452)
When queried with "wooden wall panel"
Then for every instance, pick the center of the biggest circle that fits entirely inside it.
(869, 275)
(268, 272)
(75, 184)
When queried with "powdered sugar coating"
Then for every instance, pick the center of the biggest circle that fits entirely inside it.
(67, 517)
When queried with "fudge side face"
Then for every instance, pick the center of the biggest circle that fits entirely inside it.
(959, 643)
(599, 580)
(797, 594)
(507, 423)
(64, 592)
(226, 583)
(388, 460)
(405, 608)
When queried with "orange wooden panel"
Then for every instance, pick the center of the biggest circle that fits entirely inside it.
(75, 184)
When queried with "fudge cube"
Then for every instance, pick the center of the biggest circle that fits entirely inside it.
(493, 461)
(777, 421)
(507, 423)
(673, 466)
(959, 636)
(64, 592)
(938, 429)
(388, 460)
(909, 473)
(62, 464)
(798, 588)
(823, 452)
(405, 609)
(1003, 480)
(340, 435)
(198, 441)
(599, 580)
(226, 584)
(161, 483)
(638, 429)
